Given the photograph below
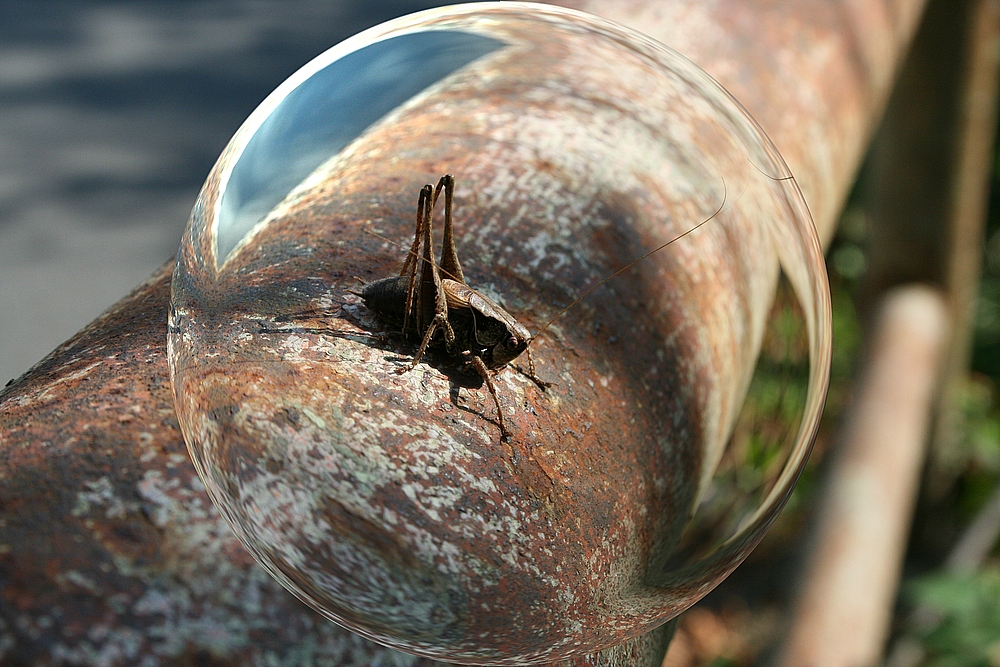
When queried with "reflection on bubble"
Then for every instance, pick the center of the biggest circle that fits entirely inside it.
(627, 490)
(330, 108)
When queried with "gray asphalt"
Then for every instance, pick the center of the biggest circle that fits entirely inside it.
(111, 115)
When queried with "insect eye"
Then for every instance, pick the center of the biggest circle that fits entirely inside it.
(511, 342)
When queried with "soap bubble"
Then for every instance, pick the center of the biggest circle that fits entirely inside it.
(390, 502)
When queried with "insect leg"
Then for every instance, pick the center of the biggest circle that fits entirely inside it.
(450, 265)
(414, 253)
(432, 298)
(485, 374)
(438, 321)
(431, 294)
(410, 263)
(542, 384)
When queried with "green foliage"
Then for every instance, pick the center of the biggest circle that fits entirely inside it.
(846, 334)
(970, 466)
(845, 277)
(964, 628)
(986, 345)
(986, 348)
(967, 628)
(721, 662)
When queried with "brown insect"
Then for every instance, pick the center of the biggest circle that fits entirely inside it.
(432, 300)
(429, 298)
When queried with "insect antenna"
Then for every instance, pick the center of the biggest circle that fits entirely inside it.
(763, 173)
(636, 261)
(725, 192)
(412, 254)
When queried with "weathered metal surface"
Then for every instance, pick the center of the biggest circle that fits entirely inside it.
(110, 551)
(814, 73)
(388, 501)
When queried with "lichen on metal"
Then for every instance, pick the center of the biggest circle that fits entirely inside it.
(86, 439)
(110, 550)
(390, 502)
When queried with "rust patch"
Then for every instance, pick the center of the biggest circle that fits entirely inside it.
(68, 594)
(395, 508)
(111, 553)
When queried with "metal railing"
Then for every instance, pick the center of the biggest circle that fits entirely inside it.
(110, 547)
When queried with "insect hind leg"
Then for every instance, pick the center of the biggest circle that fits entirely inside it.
(411, 262)
(480, 367)
(440, 321)
(450, 265)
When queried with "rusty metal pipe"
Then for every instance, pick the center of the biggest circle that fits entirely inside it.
(128, 516)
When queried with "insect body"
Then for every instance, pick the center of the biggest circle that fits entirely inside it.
(433, 301)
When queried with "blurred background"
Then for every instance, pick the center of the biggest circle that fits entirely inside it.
(112, 114)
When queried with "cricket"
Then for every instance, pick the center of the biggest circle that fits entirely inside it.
(430, 299)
